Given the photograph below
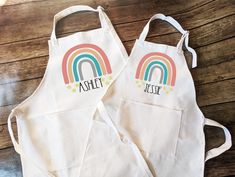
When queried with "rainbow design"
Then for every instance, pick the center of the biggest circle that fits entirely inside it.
(157, 60)
(80, 54)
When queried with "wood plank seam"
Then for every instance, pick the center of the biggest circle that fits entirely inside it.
(124, 41)
(119, 23)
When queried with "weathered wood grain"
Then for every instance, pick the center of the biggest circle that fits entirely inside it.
(5, 140)
(208, 54)
(223, 113)
(4, 112)
(222, 166)
(114, 2)
(15, 2)
(215, 136)
(204, 35)
(122, 14)
(130, 31)
(42, 18)
(16, 92)
(214, 73)
(216, 53)
(23, 70)
(187, 19)
(215, 93)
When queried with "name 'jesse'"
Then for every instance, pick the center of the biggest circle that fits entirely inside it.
(152, 89)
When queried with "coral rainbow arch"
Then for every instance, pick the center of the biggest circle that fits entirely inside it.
(84, 53)
(157, 60)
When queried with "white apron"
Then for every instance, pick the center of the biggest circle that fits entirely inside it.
(153, 103)
(55, 122)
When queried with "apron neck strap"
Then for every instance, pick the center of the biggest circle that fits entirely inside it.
(184, 39)
(79, 8)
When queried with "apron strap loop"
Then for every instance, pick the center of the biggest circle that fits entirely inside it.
(100, 8)
(74, 9)
(184, 39)
(17, 147)
(224, 147)
(14, 141)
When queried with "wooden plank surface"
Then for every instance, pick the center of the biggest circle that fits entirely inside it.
(25, 27)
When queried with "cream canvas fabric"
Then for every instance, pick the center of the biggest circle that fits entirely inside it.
(55, 122)
(153, 103)
(109, 153)
(149, 124)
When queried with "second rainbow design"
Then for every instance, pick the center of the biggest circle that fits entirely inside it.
(157, 61)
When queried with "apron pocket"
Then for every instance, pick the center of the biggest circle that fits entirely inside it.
(56, 141)
(154, 129)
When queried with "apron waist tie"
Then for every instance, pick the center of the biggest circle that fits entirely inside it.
(224, 147)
